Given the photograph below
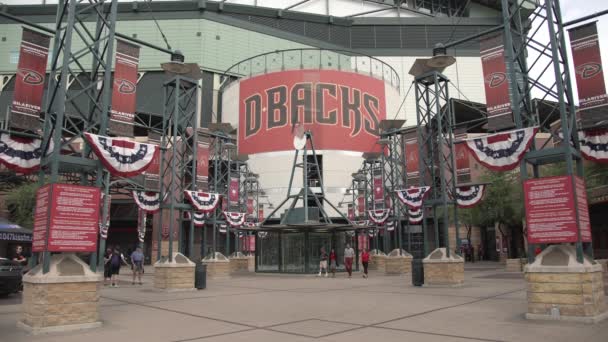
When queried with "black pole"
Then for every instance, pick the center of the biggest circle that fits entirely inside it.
(587, 17)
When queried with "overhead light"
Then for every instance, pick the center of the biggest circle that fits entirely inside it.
(177, 67)
(440, 59)
(230, 145)
(347, 192)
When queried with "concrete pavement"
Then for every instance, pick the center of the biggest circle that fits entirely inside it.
(489, 307)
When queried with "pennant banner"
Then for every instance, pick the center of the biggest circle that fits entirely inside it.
(29, 81)
(124, 97)
(222, 228)
(147, 201)
(360, 223)
(589, 72)
(197, 218)
(233, 194)
(412, 166)
(141, 225)
(413, 196)
(122, 157)
(361, 205)
(203, 201)
(234, 219)
(502, 151)
(202, 163)
(351, 211)
(152, 174)
(390, 226)
(414, 216)
(469, 196)
(21, 154)
(378, 188)
(496, 83)
(594, 145)
(379, 216)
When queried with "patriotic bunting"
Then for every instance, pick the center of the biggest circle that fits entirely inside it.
(390, 226)
(147, 201)
(360, 224)
(234, 219)
(222, 228)
(122, 157)
(415, 215)
(469, 196)
(379, 216)
(413, 196)
(594, 145)
(203, 201)
(21, 154)
(197, 218)
(502, 151)
(372, 233)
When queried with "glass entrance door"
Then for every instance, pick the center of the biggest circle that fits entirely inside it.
(293, 252)
(315, 242)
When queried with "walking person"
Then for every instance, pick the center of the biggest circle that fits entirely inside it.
(349, 254)
(333, 262)
(137, 264)
(116, 260)
(107, 268)
(323, 263)
(365, 261)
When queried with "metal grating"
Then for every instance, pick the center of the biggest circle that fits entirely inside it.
(388, 36)
(317, 31)
(413, 37)
(362, 37)
(266, 21)
(293, 26)
(340, 35)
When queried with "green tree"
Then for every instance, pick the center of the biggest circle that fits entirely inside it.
(21, 202)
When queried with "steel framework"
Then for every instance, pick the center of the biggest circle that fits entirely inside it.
(436, 153)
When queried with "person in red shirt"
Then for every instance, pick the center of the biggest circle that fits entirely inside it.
(365, 261)
(333, 262)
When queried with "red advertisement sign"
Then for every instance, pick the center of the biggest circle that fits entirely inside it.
(583, 209)
(29, 80)
(233, 191)
(378, 189)
(411, 158)
(261, 213)
(41, 218)
(342, 109)
(351, 211)
(496, 82)
(588, 69)
(361, 205)
(550, 209)
(73, 222)
(250, 206)
(124, 89)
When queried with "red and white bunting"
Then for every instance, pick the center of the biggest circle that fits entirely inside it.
(197, 218)
(235, 219)
(222, 228)
(415, 216)
(469, 196)
(413, 196)
(379, 216)
(147, 201)
(21, 154)
(372, 233)
(203, 201)
(594, 145)
(122, 157)
(390, 226)
(502, 151)
(360, 223)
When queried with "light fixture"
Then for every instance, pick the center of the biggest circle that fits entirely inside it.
(229, 145)
(440, 59)
(177, 67)
(347, 191)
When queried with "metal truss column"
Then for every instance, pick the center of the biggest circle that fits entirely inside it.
(395, 179)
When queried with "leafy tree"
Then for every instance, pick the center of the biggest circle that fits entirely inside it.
(21, 202)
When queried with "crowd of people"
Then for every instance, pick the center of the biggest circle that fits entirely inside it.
(349, 256)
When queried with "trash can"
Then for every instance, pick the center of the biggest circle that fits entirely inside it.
(417, 272)
(200, 276)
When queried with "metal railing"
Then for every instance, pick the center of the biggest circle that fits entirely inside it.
(310, 58)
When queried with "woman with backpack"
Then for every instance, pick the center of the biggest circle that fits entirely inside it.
(116, 260)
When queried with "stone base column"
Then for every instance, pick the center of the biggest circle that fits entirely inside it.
(251, 263)
(66, 298)
(175, 275)
(396, 264)
(239, 263)
(377, 261)
(514, 265)
(441, 270)
(560, 288)
(218, 266)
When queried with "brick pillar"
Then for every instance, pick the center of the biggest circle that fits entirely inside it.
(441, 270)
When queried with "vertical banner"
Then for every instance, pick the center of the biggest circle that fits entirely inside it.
(260, 213)
(250, 206)
(378, 189)
(29, 81)
(152, 173)
(496, 83)
(589, 74)
(202, 165)
(361, 205)
(351, 211)
(462, 159)
(124, 99)
(411, 159)
(233, 191)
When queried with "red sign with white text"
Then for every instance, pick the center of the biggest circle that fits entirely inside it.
(124, 98)
(551, 211)
(496, 82)
(41, 218)
(29, 80)
(73, 221)
(343, 110)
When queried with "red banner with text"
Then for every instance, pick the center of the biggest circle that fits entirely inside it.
(496, 83)
(233, 191)
(590, 83)
(378, 189)
(411, 158)
(342, 109)
(124, 97)
(29, 81)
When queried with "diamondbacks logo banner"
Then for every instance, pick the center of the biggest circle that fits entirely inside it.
(29, 81)
(343, 110)
(496, 83)
(124, 97)
(589, 74)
